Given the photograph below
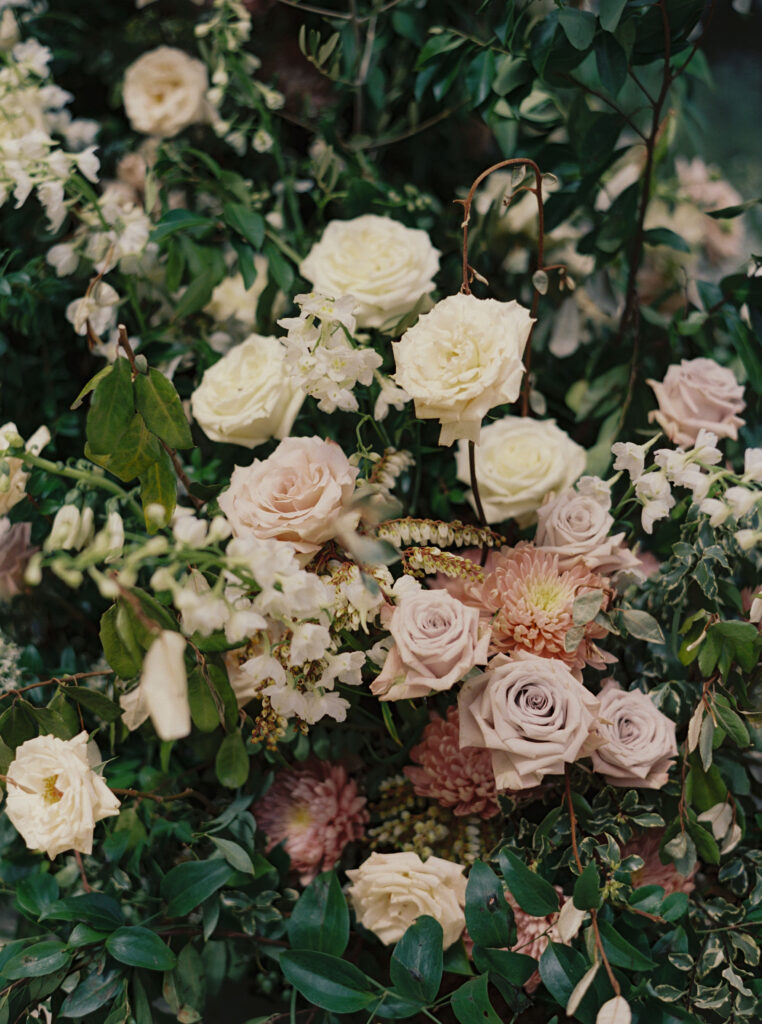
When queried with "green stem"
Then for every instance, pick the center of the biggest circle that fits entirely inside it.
(83, 475)
(283, 246)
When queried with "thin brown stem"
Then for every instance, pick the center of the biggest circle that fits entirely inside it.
(124, 341)
(159, 799)
(609, 102)
(60, 681)
(640, 85)
(85, 884)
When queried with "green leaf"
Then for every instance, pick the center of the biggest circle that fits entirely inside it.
(640, 624)
(320, 918)
(665, 236)
(187, 885)
(197, 294)
(471, 1004)
(727, 212)
(83, 935)
(280, 269)
(162, 410)
(706, 844)
(561, 968)
(95, 702)
(92, 993)
(579, 27)
(159, 487)
(140, 947)
(135, 450)
(533, 894)
(35, 894)
(730, 721)
(179, 220)
(202, 706)
(37, 960)
(327, 981)
(234, 854)
(611, 62)
(232, 761)
(394, 1007)
(516, 968)
(93, 908)
(91, 385)
(620, 952)
(416, 964)
(609, 13)
(249, 224)
(488, 915)
(587, 889)
(115, 651)
(586, 607)
(111, 409)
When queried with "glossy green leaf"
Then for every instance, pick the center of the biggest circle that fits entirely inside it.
(609, 13)
(115, 651)
(202, 706)
(37, 960)
(111, 408)
(91, 385)
(92, 993)
(135, 450)
(516, 968)
(140, 947)
(98, 703)
(579, 26)
(488, 915)
(587, 890)
(234, 854)
(328, 981)
(561, 968)
(179, 220)
(622, 953)
(161, 408)
(187, 885)
(35, 894)
(416, 964)
(471, 1003)
(320, 918)
(249, 224)
(95, 909)
(158, 486)
(232, 761)
(532, 893)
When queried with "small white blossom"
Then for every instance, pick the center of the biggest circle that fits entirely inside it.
(654, 494)
(752, 464)
(717, 510)
(742, 500)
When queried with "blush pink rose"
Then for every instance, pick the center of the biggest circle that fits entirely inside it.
(699, 394)
(532, 715)
(437, 639)
(300, 494)
(575, 526)
(639, 742)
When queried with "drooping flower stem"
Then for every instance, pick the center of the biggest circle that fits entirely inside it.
(469, 273)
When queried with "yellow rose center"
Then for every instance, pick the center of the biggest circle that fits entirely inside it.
(50, 794)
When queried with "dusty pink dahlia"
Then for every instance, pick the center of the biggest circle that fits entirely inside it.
(317, 809)
(454, 777)
(653, 872)
(534, 601)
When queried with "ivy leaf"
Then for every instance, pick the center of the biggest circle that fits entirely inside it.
(320, 918)
(533, 894)
(159, 403)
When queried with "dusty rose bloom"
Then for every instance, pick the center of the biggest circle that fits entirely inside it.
(299, 494)
(456, 777)
(437, 639)
(723, 239)
(14, 554)
(575, 526)
(531, 714)
(639, 740)
(698, 394)
(317, 810)
(653, 872)
(534, 600)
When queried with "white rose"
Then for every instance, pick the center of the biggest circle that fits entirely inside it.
(164, 92)
(639, 740)
(246, 397)
(531, 714)
(576, 527)
(163, 690)
(519, 462)
(390, 891)
(384, 265)
(54, 796)
(231, 299)
(461, 359)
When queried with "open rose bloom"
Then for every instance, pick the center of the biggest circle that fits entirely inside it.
(698, 394)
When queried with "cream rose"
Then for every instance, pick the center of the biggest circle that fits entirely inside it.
(639, 742)
(247, 397)
(699, 394)
(165, 91)
(437, 639)
(575, 526)
(390, 891)
(54, 796)
(231, 299)
(461, 359)
(519, 462)
(300, 494)
(532, 715)
(384, 265)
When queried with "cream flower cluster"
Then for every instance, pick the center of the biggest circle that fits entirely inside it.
(321, 356)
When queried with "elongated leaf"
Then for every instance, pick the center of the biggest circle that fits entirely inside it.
(249, 224)
(328, 981)
(116, 652)
(641, 625)
(159, 487)
(665, 236)
(234, 854)
(561, 969)
(187, 885)
(579, 26)
(92, 993)
(471, 1003)
(416, 964)
(232, 761)
(532, 893)
(202, 707)
(135, 450)
(37, 960)
(320, 919)
(488, 916)
(160, 405)
(515, 968)
(179, 220)
(93, 908)
(111, 409)
(35, 894)
(98, 703)
(622, 953)
(587, 891)
(91, 385)
(610, 11)
(140, 947)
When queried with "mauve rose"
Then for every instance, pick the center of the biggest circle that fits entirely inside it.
(575, 526)
(638, 740)
(531, 714)
(699, 394)
(14, 554)
(300, 494)
(437, 639)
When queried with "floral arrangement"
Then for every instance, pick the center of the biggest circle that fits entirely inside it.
(381, 588)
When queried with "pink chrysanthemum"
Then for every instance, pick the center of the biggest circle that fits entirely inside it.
(317, 809)
(534, 604)
(534, 933)
(459, 778)
(653, 872)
